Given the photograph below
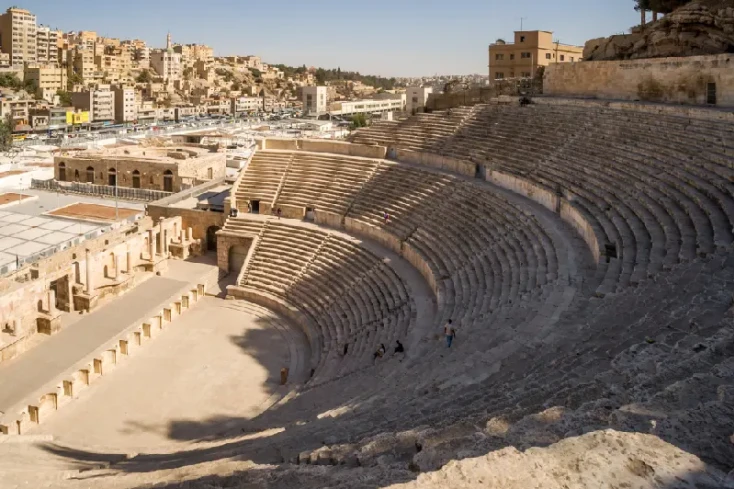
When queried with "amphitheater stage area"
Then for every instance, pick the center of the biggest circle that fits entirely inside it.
(80, 336)
(214, 368)
(93, 212)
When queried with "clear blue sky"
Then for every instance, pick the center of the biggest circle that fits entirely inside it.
(391, 38)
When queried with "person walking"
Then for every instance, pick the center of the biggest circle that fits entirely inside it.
(450, 333)
(379, 353)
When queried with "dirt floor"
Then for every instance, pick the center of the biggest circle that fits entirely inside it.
(93, 212)
(12, 197)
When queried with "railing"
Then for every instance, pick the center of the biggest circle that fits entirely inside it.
(124, 193)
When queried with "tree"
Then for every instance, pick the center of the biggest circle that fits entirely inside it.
(6, 135)
(256, 73)
(144, 77)
(64, 98)
(75, 79)
(358, 120)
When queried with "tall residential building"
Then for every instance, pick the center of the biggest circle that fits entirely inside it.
(166, 62)
(314, 100)
(531, 50)
(18, 36)
(82, 63)
(47, 51)
(48, 78)
(98, 100)
(126, 108)
(416, 98)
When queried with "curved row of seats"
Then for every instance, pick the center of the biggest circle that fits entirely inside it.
(482, 254)
(656, 187)
(347, 293)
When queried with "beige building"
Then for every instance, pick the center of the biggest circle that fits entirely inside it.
(166, 62)
(416, 98)
(169, 169)
(82, 63)
(47, 51)
(46, 77)
(18, 36)
(99, 101)
(314, 100)
(125, 105)
(531, 50)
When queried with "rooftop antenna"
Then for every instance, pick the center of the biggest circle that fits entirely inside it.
(521, 19)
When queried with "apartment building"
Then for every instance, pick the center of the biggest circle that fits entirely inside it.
(530, 51)
(314, 100)
(48, 78)
(4, 60)
(194, 52)
(416, 98)
(47, 50)
(126, 108)
(246, 105)
(16, 110)
(82, 63)
(98, 100)
(18, 36)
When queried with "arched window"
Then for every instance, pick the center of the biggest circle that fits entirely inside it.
(62, 172)
(136, 179)
(90, 174)
(112, 177)
(76, 175)
(168, 181)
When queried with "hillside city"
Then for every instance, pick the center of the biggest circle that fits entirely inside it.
(54, 82)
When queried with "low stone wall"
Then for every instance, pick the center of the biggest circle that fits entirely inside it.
(671, 80)
(572, 216)
(523, 187)
(324, 146)
(225, 241)
(462, 167)
(40, 406)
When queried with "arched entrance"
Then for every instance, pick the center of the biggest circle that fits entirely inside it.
(112, 177)
(211, 238)
(62, 172)
(76, 175)
(136, 179)
(168, 181)
(90, 174)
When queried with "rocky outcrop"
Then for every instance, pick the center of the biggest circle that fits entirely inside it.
(698, 28)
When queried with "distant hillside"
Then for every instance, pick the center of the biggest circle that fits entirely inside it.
(697, 28)
(323, 75)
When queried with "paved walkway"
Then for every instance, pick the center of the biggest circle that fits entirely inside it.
(30, 371)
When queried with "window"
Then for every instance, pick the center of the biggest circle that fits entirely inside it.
(499, 57)
(571, 59)
(499, 76)
(522, 38)
(525, 74)
(563, 57)
(525, 55)
(547, 55)
(512, 56)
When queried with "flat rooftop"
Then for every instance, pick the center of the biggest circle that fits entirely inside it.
(167, 154)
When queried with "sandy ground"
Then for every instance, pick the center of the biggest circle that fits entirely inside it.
(94, 212)
(212, 368)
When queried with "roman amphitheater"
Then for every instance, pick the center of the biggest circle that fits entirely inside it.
(582, 250)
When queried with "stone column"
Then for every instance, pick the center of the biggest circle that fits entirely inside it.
(88, 287)
(116, 261)
(165, 242)
(129, 264)
(162, 251)
(182, 236)
(51, 301)
(151, 243)
(190, 233)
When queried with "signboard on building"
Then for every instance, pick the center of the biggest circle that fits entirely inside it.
(77, 117)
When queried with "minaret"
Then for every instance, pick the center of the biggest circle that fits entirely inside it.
(168, 41)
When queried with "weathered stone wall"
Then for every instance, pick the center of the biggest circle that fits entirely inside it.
(446, 163)
(324, 146)
(673, 80)
(225, 242)
(185, 173)
(199, 221)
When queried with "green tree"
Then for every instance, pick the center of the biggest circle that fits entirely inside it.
(64, 98)
(144, 77)
(9, 80)
(256, 73)
(6, 135)
(358, 120)
(75, 79)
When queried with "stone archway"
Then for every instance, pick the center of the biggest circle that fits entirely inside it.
(211, 238)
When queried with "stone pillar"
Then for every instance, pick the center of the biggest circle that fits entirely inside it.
(89, 287)
(182, 236)
(165, 242)
(190, 233)
(129, 263)
(51, 302)
(162, 251)
(151, 243)
(116, 261)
